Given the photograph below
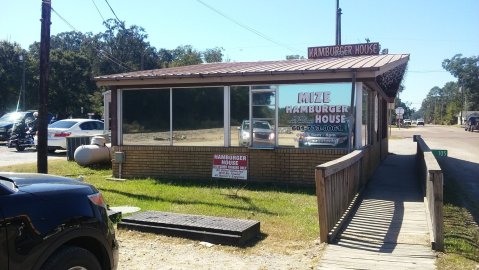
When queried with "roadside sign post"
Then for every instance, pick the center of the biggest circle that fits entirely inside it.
(399, 113)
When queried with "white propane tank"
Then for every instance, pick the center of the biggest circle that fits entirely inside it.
(96, 152)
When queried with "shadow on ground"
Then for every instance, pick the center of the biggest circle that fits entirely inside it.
(462, 177)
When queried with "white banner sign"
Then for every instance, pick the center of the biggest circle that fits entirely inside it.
(230, 166)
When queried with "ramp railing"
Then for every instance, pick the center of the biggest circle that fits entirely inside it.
(431, 177)
(338, 184)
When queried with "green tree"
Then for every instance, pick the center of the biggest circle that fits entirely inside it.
(213, 55)
(71, 85)
(466, 70)
(76, 57)
(10, 75)
(442, 105)
(294, 57)
(450, 103)
(186, 55)
(122, 49)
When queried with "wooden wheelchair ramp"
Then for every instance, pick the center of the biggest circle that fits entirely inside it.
(389, 228)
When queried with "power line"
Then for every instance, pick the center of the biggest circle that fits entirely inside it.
(100, 51)
(426, 71)
(112, 11)
(245, 26)
(103, 19)
(64, 20)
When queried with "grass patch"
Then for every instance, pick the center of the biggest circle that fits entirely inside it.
(285, 213)
(461, 232)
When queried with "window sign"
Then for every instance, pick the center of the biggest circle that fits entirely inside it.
(318, 115)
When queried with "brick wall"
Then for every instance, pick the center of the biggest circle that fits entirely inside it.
(282, 165)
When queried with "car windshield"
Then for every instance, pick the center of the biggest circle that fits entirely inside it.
(62, 124)
(262, 125)
(12, 117)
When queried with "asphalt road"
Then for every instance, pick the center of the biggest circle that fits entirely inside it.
(10, 156)
(462, 163)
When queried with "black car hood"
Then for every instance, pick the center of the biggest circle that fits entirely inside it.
(41, 183)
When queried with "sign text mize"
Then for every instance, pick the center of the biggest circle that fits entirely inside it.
(324, 113)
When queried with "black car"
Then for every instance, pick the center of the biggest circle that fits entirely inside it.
(9, 119)
(53, 222)
(472, 123)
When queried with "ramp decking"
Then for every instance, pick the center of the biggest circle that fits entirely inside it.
(389, 228)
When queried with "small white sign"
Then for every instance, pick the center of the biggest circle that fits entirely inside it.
(230, 166)
(400, 110)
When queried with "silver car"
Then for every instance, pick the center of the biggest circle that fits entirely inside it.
(263, 133)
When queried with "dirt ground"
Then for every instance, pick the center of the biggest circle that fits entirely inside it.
(200, 137)
(151, 251)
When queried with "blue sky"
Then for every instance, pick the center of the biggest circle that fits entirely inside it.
(430, 31)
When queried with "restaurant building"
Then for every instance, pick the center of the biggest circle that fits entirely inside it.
(270, 121)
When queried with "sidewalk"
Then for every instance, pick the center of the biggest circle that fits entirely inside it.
(389, 228)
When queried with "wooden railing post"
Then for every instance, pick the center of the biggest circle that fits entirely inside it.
(337, 185)
(432, 181)
(322, 211)
(437, 183)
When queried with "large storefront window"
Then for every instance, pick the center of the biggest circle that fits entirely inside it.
(296, 115)
(315, 115)
(146, 116)
(198, 116)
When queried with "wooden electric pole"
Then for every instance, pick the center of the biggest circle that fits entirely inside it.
(42, 147)
(338, 23)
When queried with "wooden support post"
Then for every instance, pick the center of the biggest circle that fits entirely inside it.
(437, 181)
(42, 145)
(322, 206)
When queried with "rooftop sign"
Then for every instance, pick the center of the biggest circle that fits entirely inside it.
(344, 50)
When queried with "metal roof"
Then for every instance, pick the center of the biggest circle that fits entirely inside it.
(365, 67)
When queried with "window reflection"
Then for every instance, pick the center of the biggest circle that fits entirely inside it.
(146, 117)
(315, 115)
(198, 116)
(239, 113)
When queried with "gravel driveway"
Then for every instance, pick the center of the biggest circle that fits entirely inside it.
(150, 251)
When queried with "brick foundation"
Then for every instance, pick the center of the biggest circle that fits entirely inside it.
(282, 165)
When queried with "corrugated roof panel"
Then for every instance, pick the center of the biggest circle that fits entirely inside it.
(302, 66)
(333, 63)
(384, 61)
(319, 65)
(284, 66)
(373, 62)
(347, 64)
(361, 62)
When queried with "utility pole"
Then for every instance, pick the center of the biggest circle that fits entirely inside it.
(338, 23)
(22, 88)
(42, 147)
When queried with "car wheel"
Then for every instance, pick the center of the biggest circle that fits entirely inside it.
(72, 258)
(20, 148)
(51, 151)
